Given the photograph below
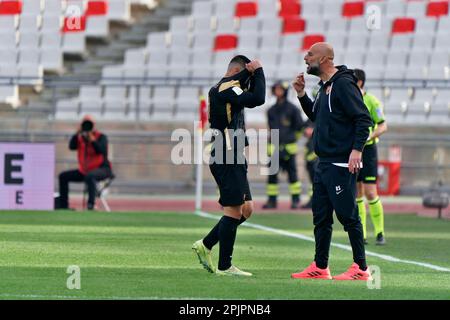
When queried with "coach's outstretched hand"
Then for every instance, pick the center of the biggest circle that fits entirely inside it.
(299, 85)
(253, 65)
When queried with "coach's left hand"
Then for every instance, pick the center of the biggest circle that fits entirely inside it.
(354, 162)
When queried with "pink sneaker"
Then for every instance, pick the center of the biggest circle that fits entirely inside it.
(313, 272)
(354, 273)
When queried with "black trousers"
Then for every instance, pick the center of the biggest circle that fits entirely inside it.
(334, 188)
(76, 176)
(290, 166)
(311, 167)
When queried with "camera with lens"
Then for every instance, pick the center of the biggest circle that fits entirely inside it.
(87, 126)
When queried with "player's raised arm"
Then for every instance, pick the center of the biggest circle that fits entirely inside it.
(306, 103)
(254, 97)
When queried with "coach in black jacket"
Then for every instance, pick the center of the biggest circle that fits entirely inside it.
(341, 130)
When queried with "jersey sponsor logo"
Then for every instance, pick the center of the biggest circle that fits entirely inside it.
(380, 113)
(237, 90)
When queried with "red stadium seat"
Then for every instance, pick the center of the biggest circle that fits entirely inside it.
(246, 9)
(403, 25)
(293, 25)
(311, 39)
(353, 9)
(97, 8)
(290, 8)
(437, 9)
(225, 42)
(74, 24)
(10, 7)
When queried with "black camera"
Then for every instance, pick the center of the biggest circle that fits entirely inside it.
(87, 126)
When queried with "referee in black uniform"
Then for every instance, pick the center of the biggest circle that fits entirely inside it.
(342, 124)
(242, 87)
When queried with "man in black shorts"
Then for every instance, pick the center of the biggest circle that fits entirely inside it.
(243, 86)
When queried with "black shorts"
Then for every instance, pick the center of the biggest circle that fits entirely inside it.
(232, 182)
(369, 171)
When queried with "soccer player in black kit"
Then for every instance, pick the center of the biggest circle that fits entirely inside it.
(243, 86)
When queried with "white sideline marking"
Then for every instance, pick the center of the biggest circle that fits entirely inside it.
(43, 296)
(337, 245)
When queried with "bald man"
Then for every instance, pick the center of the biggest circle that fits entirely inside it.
(341, 130)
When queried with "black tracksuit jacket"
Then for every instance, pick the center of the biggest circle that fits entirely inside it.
(341, 119)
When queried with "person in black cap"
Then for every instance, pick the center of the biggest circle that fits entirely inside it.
(285, 117)
(243, 86)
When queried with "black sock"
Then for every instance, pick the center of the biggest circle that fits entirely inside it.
(227, 236)
(212, 237)
(362, 264)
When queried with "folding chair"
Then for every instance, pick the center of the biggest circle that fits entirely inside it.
(102, 190)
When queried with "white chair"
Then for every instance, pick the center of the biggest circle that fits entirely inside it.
(136, 57)
(119, 10)
(67, 109)
(9, 94)
(9, 57)
(416, 9)
(202, 9)
(180, 24)
(74, 43)
(156, 41)
(52, 7)
(203, 41)
(29, 40)
(29, 56)
(52, 60)
(9, 23)
(163, 99)
(396, 8)
(30, 23)
(97, 26)
(8, 40)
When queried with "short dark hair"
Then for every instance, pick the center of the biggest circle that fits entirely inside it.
(240, 60)
(360, 75)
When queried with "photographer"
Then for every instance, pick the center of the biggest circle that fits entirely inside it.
(93, 164)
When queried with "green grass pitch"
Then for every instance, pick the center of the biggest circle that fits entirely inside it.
(149, 256)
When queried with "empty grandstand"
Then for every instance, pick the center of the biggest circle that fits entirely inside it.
(140, 65)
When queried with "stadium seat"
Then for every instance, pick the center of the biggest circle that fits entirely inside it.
(119, 10)
(224, 9)
(97, 8)
(225, 42)
(416, 9)
(202, 9)
(246, 9)
(311, 39)
(10, 7)
(74, 24)
(437, 8)
(289, 8)
(403, 25)
(293, 24)
(9, 94)
(225, 25)
(395, 8)
(353, 9)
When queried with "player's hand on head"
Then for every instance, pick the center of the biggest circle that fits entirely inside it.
(354, 162)
(253, 65)
(299, 84)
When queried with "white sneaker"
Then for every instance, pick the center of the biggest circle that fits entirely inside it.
(233, 271)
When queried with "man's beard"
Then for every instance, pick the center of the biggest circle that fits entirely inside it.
(314, 70)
